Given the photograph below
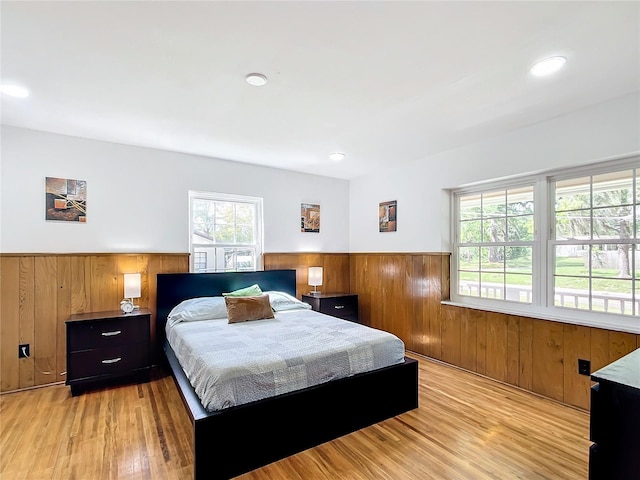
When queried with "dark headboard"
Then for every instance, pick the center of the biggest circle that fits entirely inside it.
(173, 288)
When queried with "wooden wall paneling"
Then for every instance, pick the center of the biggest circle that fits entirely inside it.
(398, 305)
(381, 288)
(445, 276)
(386, 283)
(513, 350)
(270, 261)
(548, 351)
(370, 289)
(534, 354)
(354, 285)
(395, 295)
(417, 292)
(382, 281)
(481, 340)
(142, 267)
(175, 263)
(44, 348)
(402, 301)
(358, 279)
(81, 284)
(63, 302)
(105, 295)
(40, 291)
(27, 318)
(9, 322)
(451, 334)
(335, 276)
(468, 339)
(577, 345)
(620, 344)
(336, 267)
(433, 297)
(599, 348)
(400, 293)
(525, 377)
(301, 264)
(497, 346)
(154, 266)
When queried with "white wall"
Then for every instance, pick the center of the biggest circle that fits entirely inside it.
(137, 198)
(607, 130)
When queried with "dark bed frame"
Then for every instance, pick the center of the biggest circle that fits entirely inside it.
(239, 439)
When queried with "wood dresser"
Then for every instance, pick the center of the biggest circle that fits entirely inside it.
(341, 305)
(106, 347)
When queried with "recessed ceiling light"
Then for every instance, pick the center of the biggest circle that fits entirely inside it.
(547, 66)
(337, 156)
(256, 79)
(14, 90)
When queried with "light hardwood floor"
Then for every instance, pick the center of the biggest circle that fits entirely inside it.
(467, 427)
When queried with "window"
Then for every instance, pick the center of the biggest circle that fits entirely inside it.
(558, 245)
(496, 244)
(225, 232)
(595, 243)
(199, 261)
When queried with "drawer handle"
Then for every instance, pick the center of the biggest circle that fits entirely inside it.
(338, 307)
(111, 334)
(112, 360)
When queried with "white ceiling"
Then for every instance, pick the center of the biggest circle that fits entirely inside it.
(385, 82)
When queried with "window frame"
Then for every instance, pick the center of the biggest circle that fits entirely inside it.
(258, 246)
(543, 251)
(456, 234)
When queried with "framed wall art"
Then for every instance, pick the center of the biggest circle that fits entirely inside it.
(65, 200)
(309, 218)
(387, 216)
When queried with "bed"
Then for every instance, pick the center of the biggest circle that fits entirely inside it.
(240, 436)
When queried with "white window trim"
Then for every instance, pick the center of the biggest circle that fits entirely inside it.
(221, 197)
(542, 302)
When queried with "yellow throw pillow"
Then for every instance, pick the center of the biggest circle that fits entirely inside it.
(242, 309)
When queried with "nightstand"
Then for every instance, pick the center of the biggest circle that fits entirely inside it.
(341, 305)
(107, 346)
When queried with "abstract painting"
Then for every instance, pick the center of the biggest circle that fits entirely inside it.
(310, 218)
(387, 216)
(66, 200)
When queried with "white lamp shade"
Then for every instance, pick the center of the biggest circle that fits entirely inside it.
(315, 276)
(132, 284)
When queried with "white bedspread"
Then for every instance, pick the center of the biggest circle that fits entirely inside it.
(233, 364)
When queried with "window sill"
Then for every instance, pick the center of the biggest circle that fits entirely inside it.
(615, 322)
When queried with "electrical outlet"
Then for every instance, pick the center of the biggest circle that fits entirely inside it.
(23, 350)
(584, 367)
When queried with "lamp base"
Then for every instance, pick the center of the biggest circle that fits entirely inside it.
(314, 292)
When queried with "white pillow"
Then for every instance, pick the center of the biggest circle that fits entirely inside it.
(202, 308)
(283, 301)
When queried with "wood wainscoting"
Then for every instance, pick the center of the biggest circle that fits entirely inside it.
(402, 293)
(397, 292)
(335, 270)
(40, 291)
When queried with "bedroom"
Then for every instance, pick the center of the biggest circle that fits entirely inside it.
(99, 112)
